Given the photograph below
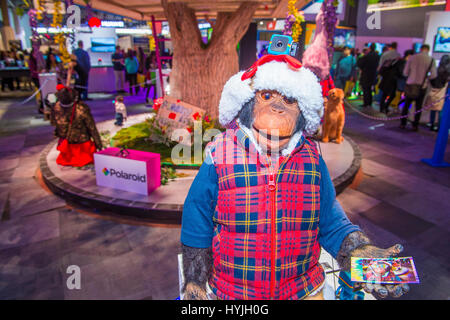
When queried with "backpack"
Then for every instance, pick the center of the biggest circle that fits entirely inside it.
(389, 67)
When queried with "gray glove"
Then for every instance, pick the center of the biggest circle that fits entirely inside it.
(356, 244)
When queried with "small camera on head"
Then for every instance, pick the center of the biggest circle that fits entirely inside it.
(281, 44)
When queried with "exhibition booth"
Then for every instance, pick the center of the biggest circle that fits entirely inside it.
(100, 43)
(142, 193)
(406, 22)
(148, 169)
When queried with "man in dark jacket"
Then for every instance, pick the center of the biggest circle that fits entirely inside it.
(84, 62)
(368, 65)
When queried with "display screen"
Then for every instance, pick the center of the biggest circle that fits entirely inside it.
(376, 5)
(378, 46)
(442, 42)
(103, 44)
(417, 46)
(345, 37)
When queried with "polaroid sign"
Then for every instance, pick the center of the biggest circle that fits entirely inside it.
(139, 172)
(124, 175)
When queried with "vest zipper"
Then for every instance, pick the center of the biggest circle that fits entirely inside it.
(272, 191)
(272, 195)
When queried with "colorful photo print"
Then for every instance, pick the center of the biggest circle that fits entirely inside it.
(386, 270)
(375, 5)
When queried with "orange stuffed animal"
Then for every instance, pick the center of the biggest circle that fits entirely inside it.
(334, 118)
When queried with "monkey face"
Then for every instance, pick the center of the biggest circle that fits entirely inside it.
(275, 118)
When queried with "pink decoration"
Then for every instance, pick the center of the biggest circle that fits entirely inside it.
(316, 57)
(152, 162)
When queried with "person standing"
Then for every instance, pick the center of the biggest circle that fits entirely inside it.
(77, 71)
(35, 69)
(84, 61)
(345, 69)
(52, 65)
(150, 77)
(416, 70)
(438, 90)
(390, 54)
(132, 67)
(119, 67)
(368, 65)
(401, 79)
(121, 111)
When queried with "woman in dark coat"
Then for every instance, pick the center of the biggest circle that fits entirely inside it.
(76, 130)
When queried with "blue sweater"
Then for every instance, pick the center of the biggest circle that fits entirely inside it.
(198, 227)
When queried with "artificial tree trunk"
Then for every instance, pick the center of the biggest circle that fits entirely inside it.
(199, 71)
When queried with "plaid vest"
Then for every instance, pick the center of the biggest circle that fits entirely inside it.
(265, 243)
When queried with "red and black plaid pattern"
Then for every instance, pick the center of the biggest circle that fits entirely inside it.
(327, 84)
(242, 245)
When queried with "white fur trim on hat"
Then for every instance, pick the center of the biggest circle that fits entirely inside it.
(235, 94)
(300, 84)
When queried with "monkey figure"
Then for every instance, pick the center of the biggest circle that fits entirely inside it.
(334, 118)
(263, 204)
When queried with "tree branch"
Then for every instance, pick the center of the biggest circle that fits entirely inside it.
(231, 27)
(183, 24)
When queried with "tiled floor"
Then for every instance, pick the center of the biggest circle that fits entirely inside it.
(400, 200)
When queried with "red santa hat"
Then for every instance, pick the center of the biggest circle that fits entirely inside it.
(281, 73)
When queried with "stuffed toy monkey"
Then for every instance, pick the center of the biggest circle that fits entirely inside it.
(263, 204)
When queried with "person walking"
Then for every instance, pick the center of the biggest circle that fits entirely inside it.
(387, 69)
(438, 90)
(119, 67)
(368, 65)
(401, 79)
(418, 69)
(132, 67)
(345, 69)
(84, 62)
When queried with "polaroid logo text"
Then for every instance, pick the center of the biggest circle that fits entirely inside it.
(127, 176)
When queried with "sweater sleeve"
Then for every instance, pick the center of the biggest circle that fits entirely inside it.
(197, 225)
(334, 226)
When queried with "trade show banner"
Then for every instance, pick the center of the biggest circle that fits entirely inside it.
(130, 170)
(377, 5)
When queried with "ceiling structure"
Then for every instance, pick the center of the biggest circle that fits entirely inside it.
(144, 9)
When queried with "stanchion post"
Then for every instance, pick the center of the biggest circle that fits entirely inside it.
(441, 141)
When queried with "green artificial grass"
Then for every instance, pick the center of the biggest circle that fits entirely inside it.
(150, 137)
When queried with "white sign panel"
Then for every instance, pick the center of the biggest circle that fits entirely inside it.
(121, 173)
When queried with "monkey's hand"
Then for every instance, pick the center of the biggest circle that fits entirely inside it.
(197, 266)
(356, 244)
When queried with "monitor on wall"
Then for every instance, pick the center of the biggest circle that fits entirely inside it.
(378, 46)
(442, 40)
(417, 46)
(103, 44)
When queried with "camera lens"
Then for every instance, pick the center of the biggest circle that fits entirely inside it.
(279, 44)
